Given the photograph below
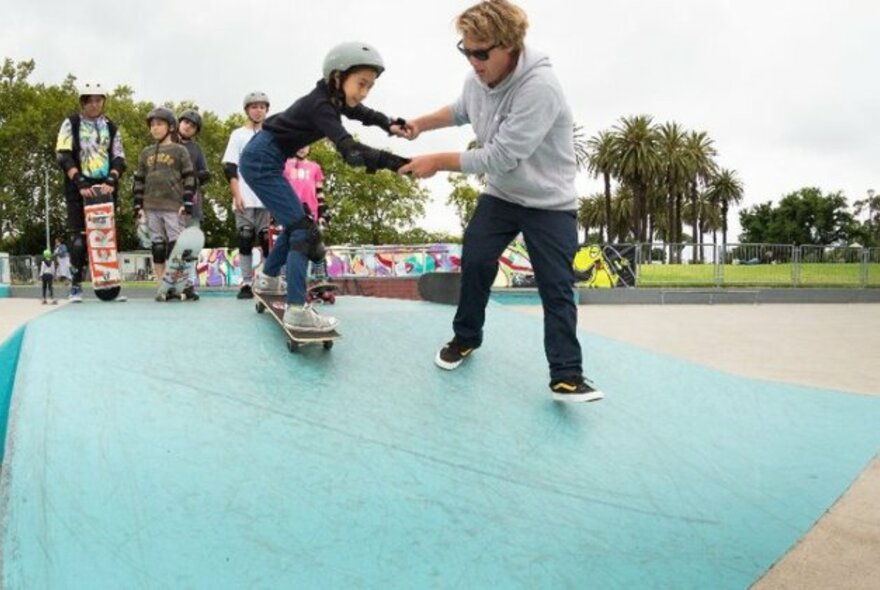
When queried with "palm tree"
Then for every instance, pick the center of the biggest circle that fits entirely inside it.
(621, 211)
(600, 160)
(581, 149)
(675, 164)
(635, 152)
(591, 213)
(701, 163)
(725, 189)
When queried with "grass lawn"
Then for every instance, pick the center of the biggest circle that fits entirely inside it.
(759, 275)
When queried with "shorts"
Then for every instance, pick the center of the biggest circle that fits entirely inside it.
(164, 225)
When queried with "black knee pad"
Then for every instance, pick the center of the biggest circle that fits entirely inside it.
(160, 252)
(264, 241)
(313, 245)
(246, 239)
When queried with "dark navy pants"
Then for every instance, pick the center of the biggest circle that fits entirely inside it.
(262, 166)
(551, 240)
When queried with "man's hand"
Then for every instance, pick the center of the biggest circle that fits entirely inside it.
(421, 167)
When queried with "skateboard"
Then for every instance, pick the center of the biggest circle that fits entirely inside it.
(180, 263)
(322, 292)
(440, 287)
(101, 243)
(277, 304)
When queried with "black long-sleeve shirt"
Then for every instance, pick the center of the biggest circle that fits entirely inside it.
(315, 117)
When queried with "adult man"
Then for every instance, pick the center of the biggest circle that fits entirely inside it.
(524, 131)
(251, 217)
(89, 150)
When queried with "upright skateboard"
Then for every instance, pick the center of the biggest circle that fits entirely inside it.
(101, 243)
(180, 264)
(277, 304)
(440, 287)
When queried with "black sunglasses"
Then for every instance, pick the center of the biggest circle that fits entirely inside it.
(480, 54)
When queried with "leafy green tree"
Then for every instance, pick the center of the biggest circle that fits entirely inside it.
(463, 198)
(803, 217)
(675, 165)
(701, 154)
(367, 208)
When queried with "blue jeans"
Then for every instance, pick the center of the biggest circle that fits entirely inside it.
(551, 240)
(262, 166)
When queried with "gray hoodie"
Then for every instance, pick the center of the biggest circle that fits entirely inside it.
(525, 132)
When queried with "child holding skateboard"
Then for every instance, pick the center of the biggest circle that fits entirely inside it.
(164, 185)
(350, 70)
(190, 127)
(47, 274)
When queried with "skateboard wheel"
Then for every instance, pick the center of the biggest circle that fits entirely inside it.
(292, 346)
(260, 308)
(328, 344)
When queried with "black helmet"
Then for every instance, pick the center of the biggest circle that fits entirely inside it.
(193, 117)
(163, 114)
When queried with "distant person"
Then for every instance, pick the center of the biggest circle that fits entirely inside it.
(89, 150)
(190, 127)
(62, 261)
(251, 216)
(525, 147)
(47, 274)
(307, 180)
(164, 185)
(350, 70)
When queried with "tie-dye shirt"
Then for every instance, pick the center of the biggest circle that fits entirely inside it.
(96, 153)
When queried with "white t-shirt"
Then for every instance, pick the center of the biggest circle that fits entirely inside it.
(239, 138)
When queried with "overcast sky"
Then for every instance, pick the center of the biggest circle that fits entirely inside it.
(789, 90)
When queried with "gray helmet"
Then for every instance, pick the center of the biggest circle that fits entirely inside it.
(254, 97)
(91, 89)
(163, 114)
(348, 55)
(193, 117)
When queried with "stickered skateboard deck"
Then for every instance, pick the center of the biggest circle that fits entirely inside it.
(100, 218)
(180, 264)
(277, 304)
(322, 292)
(440, 287)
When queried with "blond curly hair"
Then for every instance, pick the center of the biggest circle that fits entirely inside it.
(494, 21)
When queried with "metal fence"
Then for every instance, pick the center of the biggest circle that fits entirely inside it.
(756, 265)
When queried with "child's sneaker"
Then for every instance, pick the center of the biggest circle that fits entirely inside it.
(54, 302)
(189, 294)
(306, 319)
(453, 354)
(245, 292)
(575, 389)
(44, 302)
(267, 285)
(76, 294)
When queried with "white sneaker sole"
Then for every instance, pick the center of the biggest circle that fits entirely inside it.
(447, 366)
(308, 330)
(592, 396)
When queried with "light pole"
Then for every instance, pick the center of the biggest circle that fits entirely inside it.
(871, 211)
(46, 187)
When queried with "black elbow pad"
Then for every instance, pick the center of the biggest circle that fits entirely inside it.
(230, 170)
(65, 160)
(204, 177)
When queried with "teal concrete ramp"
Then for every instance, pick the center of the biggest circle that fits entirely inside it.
(182, 446)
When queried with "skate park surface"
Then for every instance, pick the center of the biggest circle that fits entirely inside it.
(201, 453)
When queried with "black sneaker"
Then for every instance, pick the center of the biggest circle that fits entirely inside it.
(575, 389)
(452, 355)
(245, 292)
(189, 293)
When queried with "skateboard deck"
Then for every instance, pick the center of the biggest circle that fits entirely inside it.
(440, 287)
(322, 292)
(277, 304)
(101, 242)
(180, 264)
